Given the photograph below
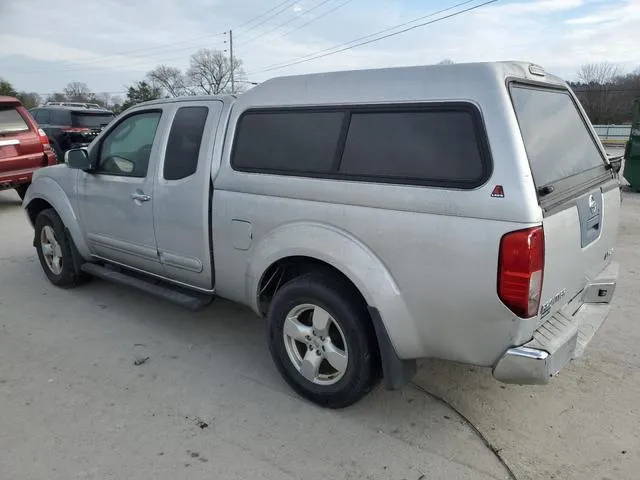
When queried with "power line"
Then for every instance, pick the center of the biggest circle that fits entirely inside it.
(603, 89)
(284, 23)
(352, 44)
(163, 48)
(315, 19)
(135, 61)
(238, 27)
(284, 8)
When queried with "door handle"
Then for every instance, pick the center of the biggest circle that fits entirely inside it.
(141, 197)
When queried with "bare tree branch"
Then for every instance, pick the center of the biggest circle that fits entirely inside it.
(605, 93)
(78, 92)
(170, 79)
(600, 73)
(210, 71)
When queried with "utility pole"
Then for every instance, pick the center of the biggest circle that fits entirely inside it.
(232, 66)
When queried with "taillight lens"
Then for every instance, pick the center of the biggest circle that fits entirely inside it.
(49, 154)
(520, 271)
(44, 140)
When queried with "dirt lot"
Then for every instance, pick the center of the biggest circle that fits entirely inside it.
(209, 404)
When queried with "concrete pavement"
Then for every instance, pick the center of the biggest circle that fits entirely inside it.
(208, 402)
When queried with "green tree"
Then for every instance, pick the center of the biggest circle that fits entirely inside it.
(29, 99)
(7, 89)
(141, 92)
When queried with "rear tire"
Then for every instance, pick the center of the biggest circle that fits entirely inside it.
(22, 190)
(322, 340)
(54, 250)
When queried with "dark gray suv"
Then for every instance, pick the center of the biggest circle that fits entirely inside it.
(70, 127)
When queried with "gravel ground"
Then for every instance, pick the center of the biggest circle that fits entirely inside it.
(207, 402)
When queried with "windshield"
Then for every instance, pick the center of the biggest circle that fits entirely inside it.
(557, 140)
(91, 120)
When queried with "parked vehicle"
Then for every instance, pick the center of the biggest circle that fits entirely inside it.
(71, 127)
(23, 146)
(75, 104)
(463, 212)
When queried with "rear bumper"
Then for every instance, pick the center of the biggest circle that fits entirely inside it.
(563, 337)
(16, 177)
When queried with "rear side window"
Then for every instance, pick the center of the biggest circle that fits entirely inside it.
(438, 145)
(558, 142)
(420, 145)
(288, 142)
(44, 116)
(91, 120)
(60, 117)
(11, 121)
(183, 146)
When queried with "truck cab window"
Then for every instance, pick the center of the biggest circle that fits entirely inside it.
(183, 147)
(126, 149)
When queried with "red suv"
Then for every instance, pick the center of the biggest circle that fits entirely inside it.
(24, 147)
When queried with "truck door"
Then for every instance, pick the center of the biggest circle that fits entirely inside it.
(182, 194)
(115, 201)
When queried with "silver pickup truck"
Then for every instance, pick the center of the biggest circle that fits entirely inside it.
(464, 212)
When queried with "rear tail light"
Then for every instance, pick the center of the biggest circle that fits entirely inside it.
(44, 140)
(49, 153)
(520, 271)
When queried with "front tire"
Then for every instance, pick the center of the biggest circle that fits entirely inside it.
(322, 340)
(54, 250)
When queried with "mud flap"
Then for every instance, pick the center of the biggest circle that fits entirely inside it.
(397, 373)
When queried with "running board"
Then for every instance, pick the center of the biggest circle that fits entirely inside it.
(177, 295)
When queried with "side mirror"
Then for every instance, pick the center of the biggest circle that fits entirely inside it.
(77, 158)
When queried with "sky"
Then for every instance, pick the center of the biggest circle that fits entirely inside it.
(109, 44)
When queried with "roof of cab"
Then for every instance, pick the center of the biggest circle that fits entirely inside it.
(188, 98)
(400, 84)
